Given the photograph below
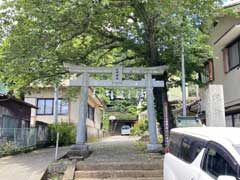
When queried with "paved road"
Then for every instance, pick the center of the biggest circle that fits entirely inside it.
(28, 166)
(119, 149)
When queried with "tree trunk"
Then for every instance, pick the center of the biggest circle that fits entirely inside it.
(160, 94)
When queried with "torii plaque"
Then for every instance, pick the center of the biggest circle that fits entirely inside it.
(84, 81)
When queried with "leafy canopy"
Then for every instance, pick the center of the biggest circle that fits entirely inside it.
(39, 35)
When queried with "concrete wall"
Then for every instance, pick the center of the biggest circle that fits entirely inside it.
(93, 127)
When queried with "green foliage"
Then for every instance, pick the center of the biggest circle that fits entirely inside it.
(122, 115)
(142, 107)
(67, 133)
(11, 148)
(37, 37)
(122, 109)
(141, 145)
(106, 121)
(71, 93)
(100, 91)
(8, 148)
(139, 128)
(160, 139)
(123, 105)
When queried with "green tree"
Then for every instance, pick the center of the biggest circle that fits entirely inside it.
(40, 35)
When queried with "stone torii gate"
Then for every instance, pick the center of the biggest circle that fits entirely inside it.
(84, 81)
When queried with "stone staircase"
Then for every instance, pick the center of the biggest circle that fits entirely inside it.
(119, 171)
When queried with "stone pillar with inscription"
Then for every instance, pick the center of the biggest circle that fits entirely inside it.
(214, 106)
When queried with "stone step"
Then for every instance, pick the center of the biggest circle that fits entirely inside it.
(126, 178)
(118, 174)
(83, 166)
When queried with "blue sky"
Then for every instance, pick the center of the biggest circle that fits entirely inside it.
(230, 1)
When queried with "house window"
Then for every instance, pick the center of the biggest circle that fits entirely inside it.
(208, 72)
(231, 56)
(91, 112)
(233, 120)
(46, 106)
(229, 121)
(236, 118)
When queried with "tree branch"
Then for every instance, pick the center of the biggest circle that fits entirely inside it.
(140, 11)
(120, 61)
(109, 35)
(44, 76)
(85, 24)
(100, 46)
(108, 50)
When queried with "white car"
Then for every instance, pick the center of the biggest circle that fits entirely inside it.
(125, 130)
(204, 153)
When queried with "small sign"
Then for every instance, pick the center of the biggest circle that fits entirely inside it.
(166, 123)
(188, 121)
(117, 74)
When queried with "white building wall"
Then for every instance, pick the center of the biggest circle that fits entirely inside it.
(73, 110)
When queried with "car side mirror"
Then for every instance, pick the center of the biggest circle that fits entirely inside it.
(226, 178)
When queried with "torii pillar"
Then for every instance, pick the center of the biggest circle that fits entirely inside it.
(153, 145)
(81, 148)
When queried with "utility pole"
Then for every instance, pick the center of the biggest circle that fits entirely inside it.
(183, 79)
(55, 113)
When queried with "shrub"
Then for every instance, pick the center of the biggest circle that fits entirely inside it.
(67, 133)
(139, 128)
(141, 145)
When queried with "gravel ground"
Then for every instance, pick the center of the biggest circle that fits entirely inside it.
(120, 149)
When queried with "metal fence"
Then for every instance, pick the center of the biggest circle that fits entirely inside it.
(13, 139)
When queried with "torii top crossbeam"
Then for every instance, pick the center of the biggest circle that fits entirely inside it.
(105, 70)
